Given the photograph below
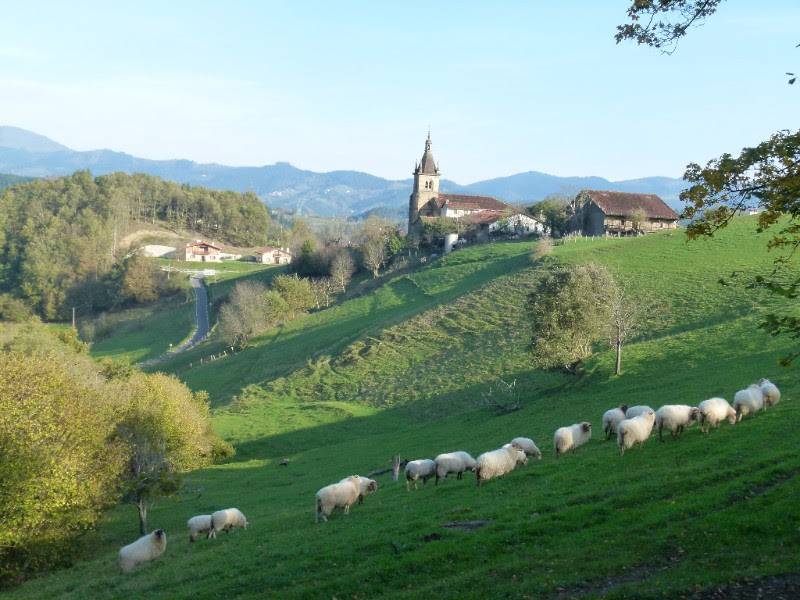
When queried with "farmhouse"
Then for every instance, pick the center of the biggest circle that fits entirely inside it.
(488, 213)
(201, 251)
(274, 256)
(620, 213)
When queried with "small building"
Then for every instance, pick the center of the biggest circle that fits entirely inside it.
(274, 256)
(201, 251)
(620, 213)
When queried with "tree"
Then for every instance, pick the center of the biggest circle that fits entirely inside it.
(296, 293)
(553, 212)
(250, 310)
(342, 268)
(140, 279)
(638, 219)
(626, 313)
(375, 255)
(569, 310)
(166, 430)
(766, 175)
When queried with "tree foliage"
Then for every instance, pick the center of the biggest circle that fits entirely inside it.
(569, 310)
(251, 309)
(60, 238)
(552, 211)
(662, 23)
(71, 431)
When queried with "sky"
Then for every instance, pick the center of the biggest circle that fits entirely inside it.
(505, 87)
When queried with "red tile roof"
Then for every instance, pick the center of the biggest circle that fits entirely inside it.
(469, 202)
(269, 249)
(624, 204)
(485, 217)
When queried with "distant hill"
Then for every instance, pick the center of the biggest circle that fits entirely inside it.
(282, 185)
(7, 180)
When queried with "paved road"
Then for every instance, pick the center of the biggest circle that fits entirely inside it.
(200, 318)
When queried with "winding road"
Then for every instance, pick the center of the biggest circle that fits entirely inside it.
(201, 322)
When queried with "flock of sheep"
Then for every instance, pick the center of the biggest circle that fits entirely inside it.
(632, 425)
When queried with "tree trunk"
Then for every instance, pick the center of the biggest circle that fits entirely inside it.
(619, 358)
(142, 505)
(396, 467)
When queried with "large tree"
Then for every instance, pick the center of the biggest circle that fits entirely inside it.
(766, 176)
(569, 310)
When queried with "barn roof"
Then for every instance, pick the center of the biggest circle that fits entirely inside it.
(624, 204)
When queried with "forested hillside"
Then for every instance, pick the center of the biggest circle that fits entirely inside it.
(7, 180)
(61, 239)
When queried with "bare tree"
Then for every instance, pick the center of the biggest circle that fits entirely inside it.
(502, 397)
(375, 255)
(342, 268)
(625, 322)
(638, 220)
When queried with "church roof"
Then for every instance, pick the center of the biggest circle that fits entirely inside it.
(469, 202)
(427, 166)
(624, 204)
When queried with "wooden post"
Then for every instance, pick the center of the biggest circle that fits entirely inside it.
(396, 467)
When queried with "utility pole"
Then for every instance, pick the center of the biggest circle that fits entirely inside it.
(73, 317)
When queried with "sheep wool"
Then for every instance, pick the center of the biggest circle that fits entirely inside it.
(572, 437)
(146, 548)
(367, 486)
(772, 394)
(423, 468)
(227, 519)
(748, 401)
(337, 495)
(528, 447)
(674, 418)
(199, 524)
(499, 462)
(453, 462)
(635, 431)
(713, 411)
(611, 419)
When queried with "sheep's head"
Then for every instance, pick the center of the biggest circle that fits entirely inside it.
(731, 416)
(586, 427)
(623, 408)
(763, 381)
(537, 454)
(694, 415)
(372, 486)
(160, 534)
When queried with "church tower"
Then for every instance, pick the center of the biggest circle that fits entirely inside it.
(426, 187)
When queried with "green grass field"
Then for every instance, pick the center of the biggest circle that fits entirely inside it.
(403, 369)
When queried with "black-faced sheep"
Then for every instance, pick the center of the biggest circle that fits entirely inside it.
(366, 487)
(674, 418)
(337, 495)
(611, 419)
(146, 548)
(572, 437)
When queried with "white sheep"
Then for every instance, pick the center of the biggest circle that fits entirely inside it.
(423, 468)
(499, 462)
(748, 401)
(674, 417)
(713, 411)
(635, 411)
(528, 447)
(200, 524)
(635, 430)
(366, 487)
(772, 395)
(227, 519)
(611, 419)
(146, 548)
(337, 495)
(572, 437)
(453, 462)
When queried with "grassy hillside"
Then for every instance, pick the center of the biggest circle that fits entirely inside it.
(402, 370)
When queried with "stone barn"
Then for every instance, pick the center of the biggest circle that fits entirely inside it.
(620, 213)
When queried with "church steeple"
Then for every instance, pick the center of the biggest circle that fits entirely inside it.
(426, 187)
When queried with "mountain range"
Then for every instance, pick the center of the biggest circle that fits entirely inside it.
(336, 193)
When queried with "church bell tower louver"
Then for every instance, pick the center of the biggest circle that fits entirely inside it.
(426, 187)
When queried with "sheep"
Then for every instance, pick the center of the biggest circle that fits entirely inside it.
(675, 417)
(528, 447)
(635, 411)
(200, 524)
(453, 462)
(748, 401)
(146, 548)
(713, 411)
(611, 419)
(572, 437)
(499, 462)
(424, 468)
(367, 486)
(635, 430)
(337, 495)
(227, 519)
(772, 395)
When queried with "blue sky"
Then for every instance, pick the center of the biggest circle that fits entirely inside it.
(505, 86)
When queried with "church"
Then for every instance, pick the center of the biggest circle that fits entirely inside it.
(484, 211)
